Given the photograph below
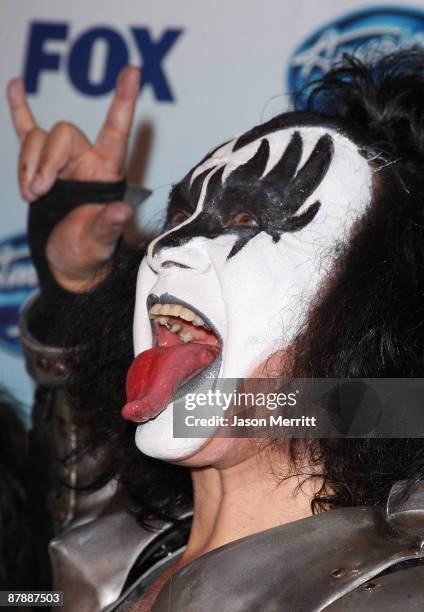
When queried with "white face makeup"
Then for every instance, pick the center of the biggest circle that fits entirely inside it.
(263, 222)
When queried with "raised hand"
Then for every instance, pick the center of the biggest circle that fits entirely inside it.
(83, 242)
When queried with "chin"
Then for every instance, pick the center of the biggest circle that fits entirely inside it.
(155, 438)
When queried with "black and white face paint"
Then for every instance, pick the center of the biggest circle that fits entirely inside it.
(254, 229)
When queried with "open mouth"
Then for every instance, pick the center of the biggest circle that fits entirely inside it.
(186, 350)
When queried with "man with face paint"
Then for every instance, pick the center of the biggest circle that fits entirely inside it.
(266, 210)
(294, 249)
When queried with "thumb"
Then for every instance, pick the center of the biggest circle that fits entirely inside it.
(109, 224)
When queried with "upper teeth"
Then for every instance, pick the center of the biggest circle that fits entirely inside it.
(161, 312)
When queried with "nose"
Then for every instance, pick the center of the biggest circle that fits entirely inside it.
(191, 255)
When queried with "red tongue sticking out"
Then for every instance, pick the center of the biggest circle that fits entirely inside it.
(157, 373)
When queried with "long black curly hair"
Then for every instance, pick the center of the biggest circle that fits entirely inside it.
(367, 321)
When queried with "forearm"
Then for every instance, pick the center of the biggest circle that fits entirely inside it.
(45, 318)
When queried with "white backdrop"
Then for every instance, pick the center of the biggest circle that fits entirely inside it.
(226, 68)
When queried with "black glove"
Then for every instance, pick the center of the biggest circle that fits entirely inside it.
(44, 214)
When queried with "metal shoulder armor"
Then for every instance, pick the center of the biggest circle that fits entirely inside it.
(343, 559)
(401, 589)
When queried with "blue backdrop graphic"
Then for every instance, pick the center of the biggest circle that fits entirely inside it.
(18, 280)
(366, 32)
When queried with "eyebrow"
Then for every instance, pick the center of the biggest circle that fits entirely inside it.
(179, 196)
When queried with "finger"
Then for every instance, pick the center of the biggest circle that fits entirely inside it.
(22, 117)
(109, 224)
(29, 159)
(64, 144)
(112, 140)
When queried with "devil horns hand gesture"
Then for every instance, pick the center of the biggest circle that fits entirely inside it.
(83, 242)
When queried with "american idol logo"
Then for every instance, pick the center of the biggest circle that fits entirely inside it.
(18, 280)
(379, 30)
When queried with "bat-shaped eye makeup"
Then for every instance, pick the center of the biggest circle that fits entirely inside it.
(246, 198)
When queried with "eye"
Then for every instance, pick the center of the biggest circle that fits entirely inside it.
(178, 217)
(243, 218)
